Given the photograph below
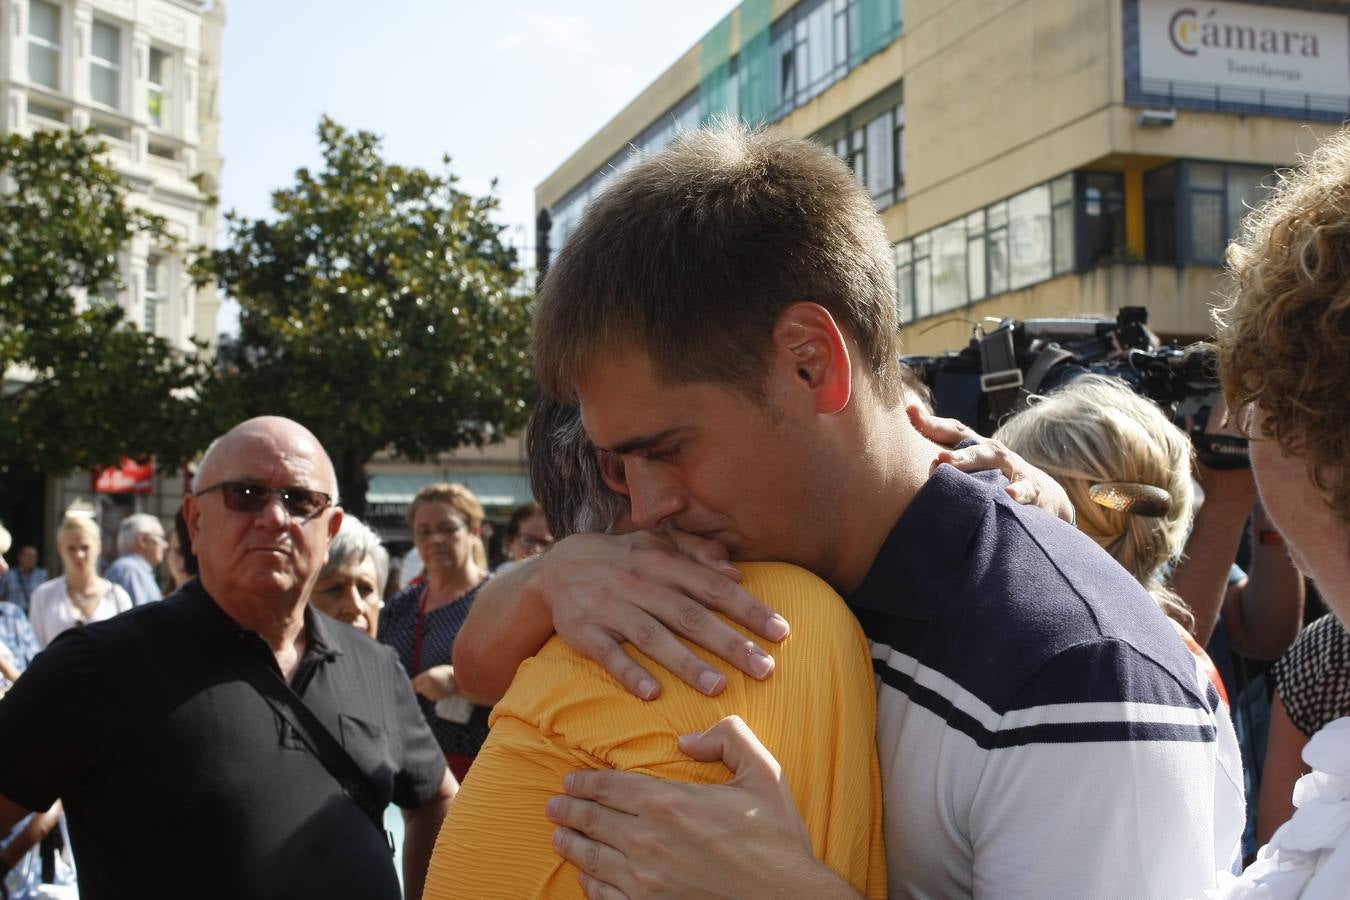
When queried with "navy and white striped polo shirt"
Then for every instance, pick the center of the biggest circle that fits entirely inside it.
(1043, 732)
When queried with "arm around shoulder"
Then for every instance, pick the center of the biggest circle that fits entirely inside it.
(509, 622)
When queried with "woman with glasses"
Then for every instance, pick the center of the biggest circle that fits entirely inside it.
(79, 596)
(527, 535)
(350, 587)
(421, 621)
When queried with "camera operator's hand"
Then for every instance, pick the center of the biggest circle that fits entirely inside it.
(1027, 484)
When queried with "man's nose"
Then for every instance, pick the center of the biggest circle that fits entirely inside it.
(654, 493)
(273, 514)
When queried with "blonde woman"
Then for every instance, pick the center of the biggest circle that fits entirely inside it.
(1127, 471)
(79, 596)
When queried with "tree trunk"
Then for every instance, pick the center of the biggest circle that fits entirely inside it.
(352, 481)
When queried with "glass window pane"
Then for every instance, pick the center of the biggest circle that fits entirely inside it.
(44, 21)
(1061, 189)
(975, 223)
(103, 85)
(1063, 235)
(107, 42)
(975, 251)
(1029, 237)
(1244, 193)
(44, 66)
(923, 296)
(1208, 233)
(902, 253)
(158, 62)
(998, 215)
(1206, 175)
(949, 266)
(880, 166)
(998, 260)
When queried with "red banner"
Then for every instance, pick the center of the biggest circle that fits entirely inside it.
(130, 477)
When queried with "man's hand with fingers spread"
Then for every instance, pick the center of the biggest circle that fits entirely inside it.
(1027, 484)
(647, 587)
(640, 837)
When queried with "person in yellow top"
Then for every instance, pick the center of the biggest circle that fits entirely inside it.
(564, 712)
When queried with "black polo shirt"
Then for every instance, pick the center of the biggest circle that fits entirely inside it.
(178, 778)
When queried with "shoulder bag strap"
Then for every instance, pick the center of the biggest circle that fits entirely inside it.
(316, 737)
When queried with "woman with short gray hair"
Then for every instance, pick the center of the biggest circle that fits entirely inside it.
(350, 587)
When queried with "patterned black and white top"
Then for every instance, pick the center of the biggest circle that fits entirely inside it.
(1313, 676)
(398, 629)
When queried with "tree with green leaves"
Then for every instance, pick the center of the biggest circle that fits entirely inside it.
(82, 386)
(376, 308)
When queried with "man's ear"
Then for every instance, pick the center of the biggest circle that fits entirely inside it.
(335, 522)
(809, 348)
(191, 515)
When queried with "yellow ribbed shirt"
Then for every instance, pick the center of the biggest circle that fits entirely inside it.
(816, 715)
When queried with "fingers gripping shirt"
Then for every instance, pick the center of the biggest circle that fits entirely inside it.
(816, 715)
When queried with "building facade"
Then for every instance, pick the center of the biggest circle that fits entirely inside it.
(1028, 157)
(145, 76)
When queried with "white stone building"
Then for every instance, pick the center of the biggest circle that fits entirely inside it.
(144, 74)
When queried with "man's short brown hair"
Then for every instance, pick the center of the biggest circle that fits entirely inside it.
(1284, 333)
(691, 254)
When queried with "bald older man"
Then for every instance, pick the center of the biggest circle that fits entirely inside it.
(229, 742)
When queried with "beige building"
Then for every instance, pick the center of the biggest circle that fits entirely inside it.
(145, 75)
(1030, 158)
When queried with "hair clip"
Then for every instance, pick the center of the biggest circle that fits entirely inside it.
(1132, 497)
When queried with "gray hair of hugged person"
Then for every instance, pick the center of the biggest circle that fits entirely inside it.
(1096, 431)
(134, 526)
(356, 540)
(728, 227)
(565, 474)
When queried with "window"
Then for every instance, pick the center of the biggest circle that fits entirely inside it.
(158, 96)
(44, 44)
(105, 64)
(904, 279)
(923, 293)
(949, 266)
(1029, 237)
(975, 251)
(880, 173)
(154, 287)
(1061, 201)
(1208, 228)
(998, 248)
(899, 141)
(1160, 214)
(1101, 211)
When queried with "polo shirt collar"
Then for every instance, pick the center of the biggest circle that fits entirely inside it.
(319, 639)
(914, 569)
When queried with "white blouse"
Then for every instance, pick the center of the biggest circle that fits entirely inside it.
(51, 611)
(1308, 856)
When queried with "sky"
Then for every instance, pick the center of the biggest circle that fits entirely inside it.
(508, 89)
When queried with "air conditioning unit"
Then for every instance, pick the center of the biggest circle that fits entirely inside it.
(1157, 118)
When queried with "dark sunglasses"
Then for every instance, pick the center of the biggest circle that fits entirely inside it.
(247, 497)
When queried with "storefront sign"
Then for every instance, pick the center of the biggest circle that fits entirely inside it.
(130, 477)
(1245, 50)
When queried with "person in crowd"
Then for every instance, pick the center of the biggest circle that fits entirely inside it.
(527, 535)
(230, 741)
(18, 584)
(1312, 688)
(724, 315)
(422, 621)
(350, 584)
(1127, 470)
(20, 856)
(140, 545)
(18, 643)
(1283, 333)
(563, 712)
(182, 561)
(79, 596)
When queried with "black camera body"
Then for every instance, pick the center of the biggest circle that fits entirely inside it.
(995, 374)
